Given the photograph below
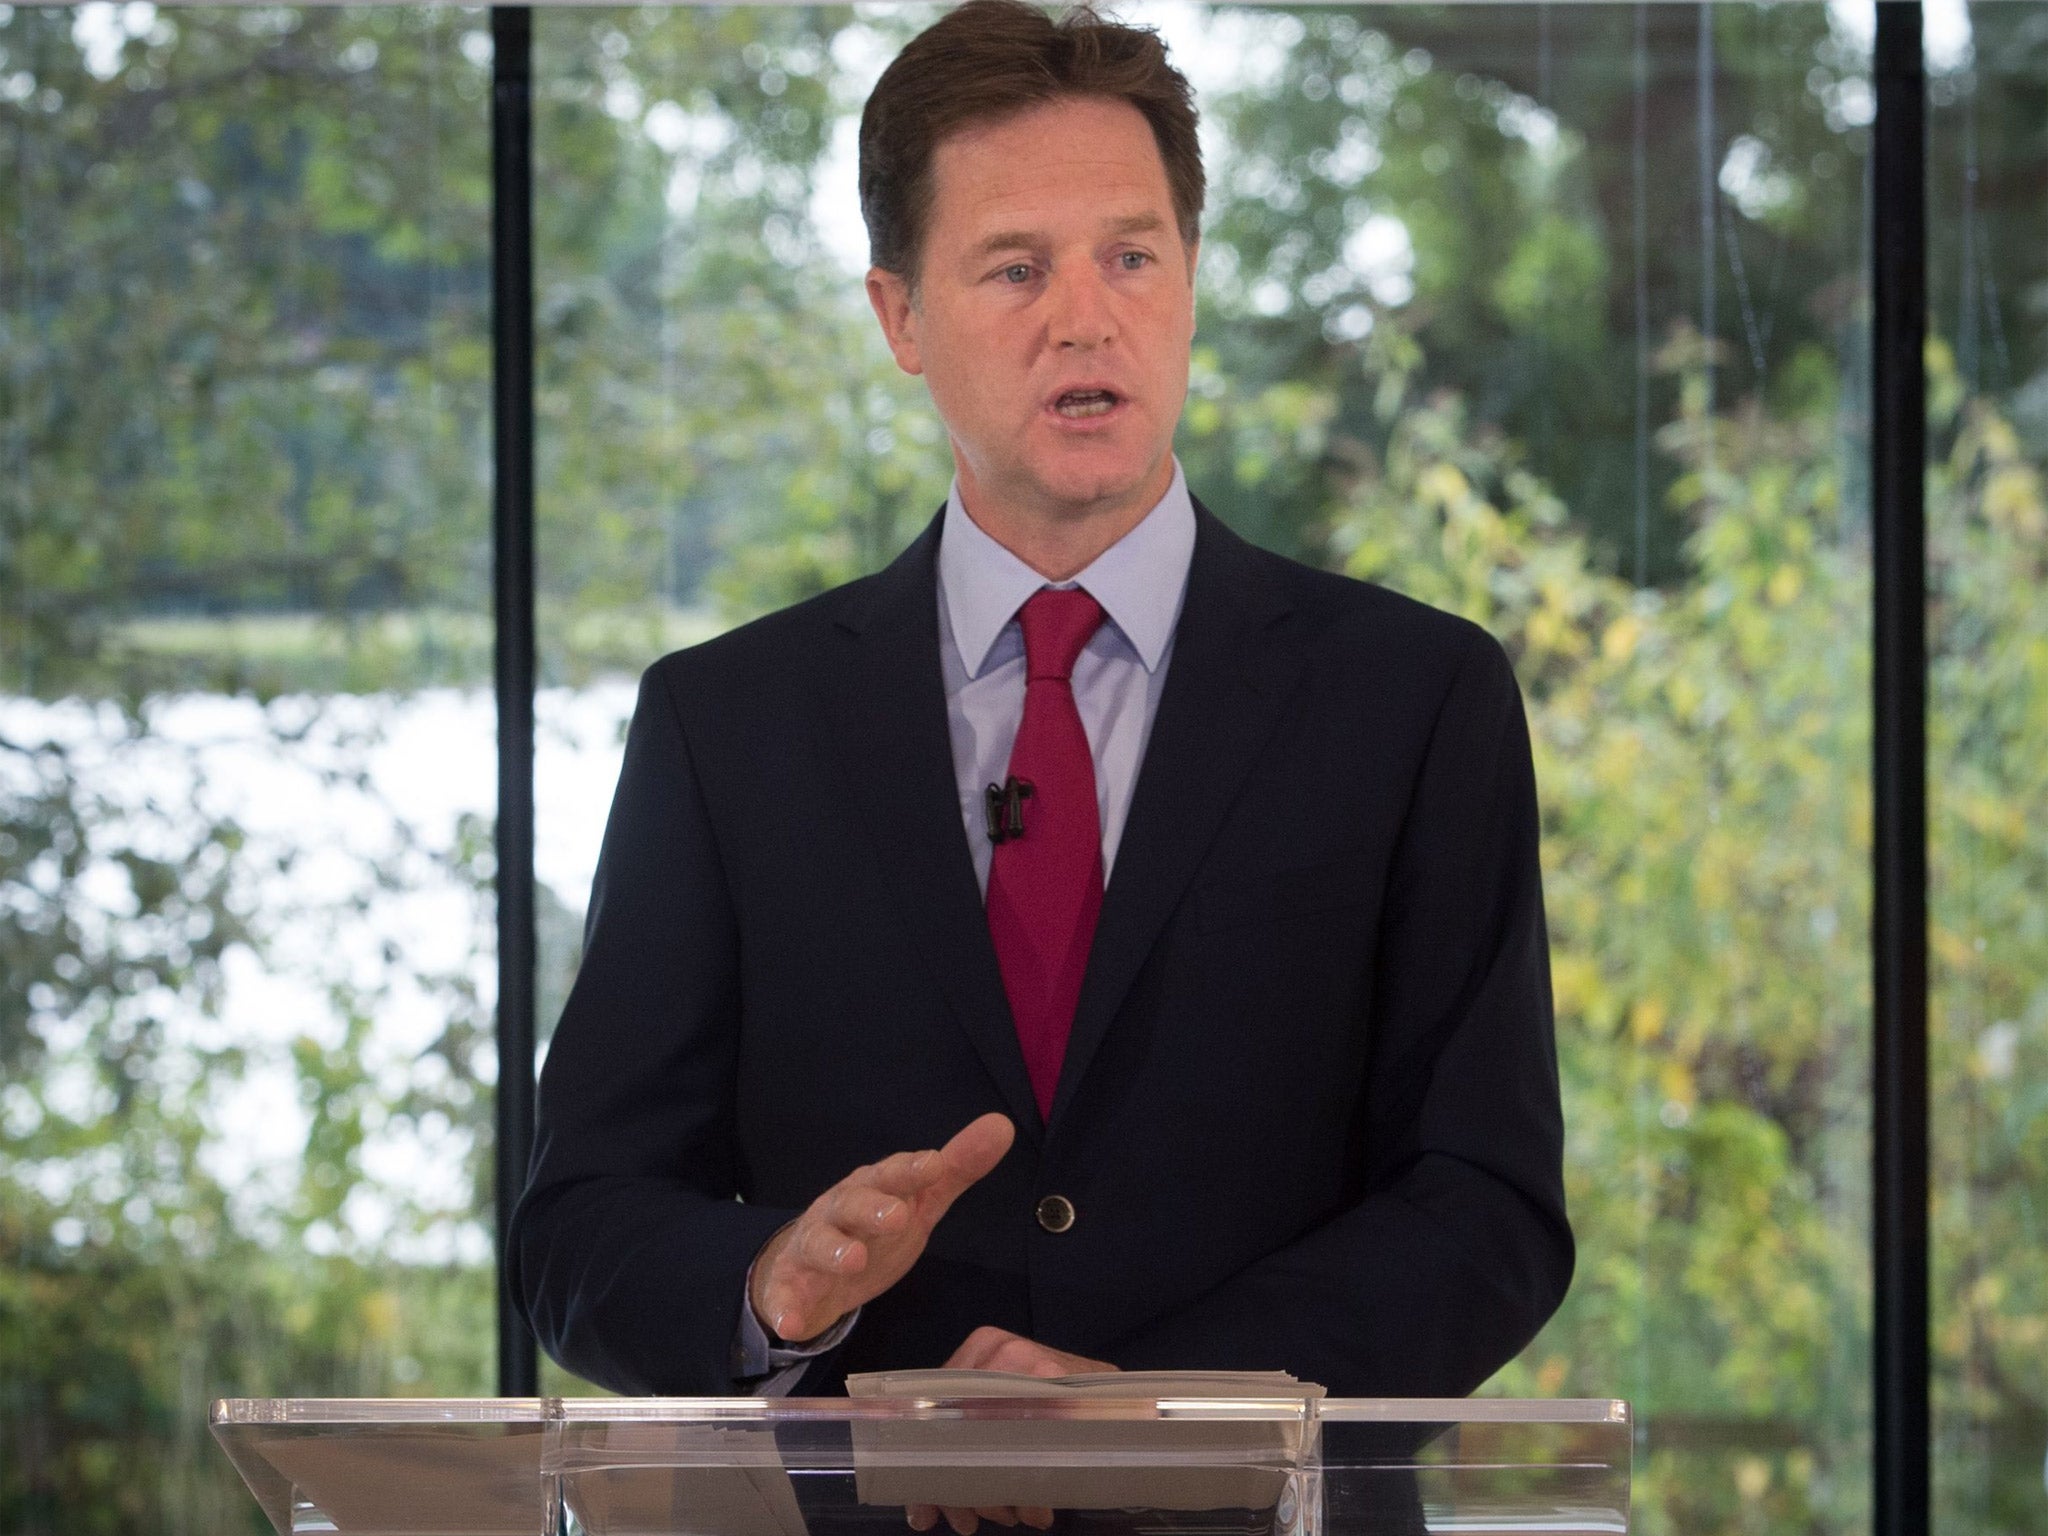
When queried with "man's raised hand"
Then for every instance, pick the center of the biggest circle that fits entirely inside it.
(862, 1235)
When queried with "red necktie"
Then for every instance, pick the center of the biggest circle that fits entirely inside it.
(1045, 884)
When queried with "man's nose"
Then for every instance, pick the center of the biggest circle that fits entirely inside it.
(1081, 313)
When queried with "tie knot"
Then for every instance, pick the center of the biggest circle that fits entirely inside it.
(1056, 625)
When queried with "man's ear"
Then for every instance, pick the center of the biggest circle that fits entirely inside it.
(889, 294)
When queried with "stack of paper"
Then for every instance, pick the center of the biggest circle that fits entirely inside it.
(1196, 1442)
(1222, 1386)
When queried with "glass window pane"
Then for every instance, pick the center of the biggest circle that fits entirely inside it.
(721, 430)
(245, 734)
(1987, 518)
(1585, 286)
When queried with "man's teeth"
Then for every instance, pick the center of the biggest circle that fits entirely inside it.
(1085, 402)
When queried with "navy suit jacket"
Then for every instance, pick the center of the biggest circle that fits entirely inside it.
(1308, 1118)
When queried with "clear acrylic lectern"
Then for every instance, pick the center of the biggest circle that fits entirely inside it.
(1094, 1466)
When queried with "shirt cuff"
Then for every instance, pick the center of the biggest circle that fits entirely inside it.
(772, 1369)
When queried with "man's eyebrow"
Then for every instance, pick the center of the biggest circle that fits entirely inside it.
(1138, 224)
(1024, 239)
(1007, 240)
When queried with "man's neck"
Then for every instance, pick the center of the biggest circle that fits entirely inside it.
(1061, 542)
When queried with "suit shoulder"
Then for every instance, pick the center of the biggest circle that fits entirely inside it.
(1343, 611)
(762, 650)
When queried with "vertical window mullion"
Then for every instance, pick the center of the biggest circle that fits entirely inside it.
(513, 645)
(1900, 1453)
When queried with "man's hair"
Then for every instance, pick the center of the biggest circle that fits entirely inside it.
(993, 59)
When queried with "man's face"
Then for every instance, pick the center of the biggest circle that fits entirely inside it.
(1054, 310)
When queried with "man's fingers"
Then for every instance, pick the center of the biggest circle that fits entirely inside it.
(989, 1348)
(963, 1521)
(825, 1247)
(906, 1176)
(982, 1348)
(922, 1517)
(802, 1302)
(808, 1283)
(862, 1210)
(971, 1155)
(978, 1348)
(933, 1180)
(1024, 1357)
(793, 1310)
(786, 1289)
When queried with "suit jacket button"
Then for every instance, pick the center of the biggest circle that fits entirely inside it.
(1055, 1213)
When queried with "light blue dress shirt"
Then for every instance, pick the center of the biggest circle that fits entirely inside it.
(1140, 581)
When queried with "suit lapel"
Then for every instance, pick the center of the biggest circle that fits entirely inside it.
(885, 698)
(1229, 677)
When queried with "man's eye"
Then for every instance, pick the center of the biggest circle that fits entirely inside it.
(1131, 261)
(1018, 273)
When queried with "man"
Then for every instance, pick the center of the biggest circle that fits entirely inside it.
(1181, 903)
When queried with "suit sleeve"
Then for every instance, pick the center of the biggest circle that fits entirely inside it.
(629, 1251)
(1459, 1249)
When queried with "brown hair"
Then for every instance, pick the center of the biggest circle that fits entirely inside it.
(992, 59)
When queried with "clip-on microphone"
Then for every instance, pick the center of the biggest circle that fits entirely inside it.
(1004, 804)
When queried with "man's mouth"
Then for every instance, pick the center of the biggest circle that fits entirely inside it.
(1078, 404)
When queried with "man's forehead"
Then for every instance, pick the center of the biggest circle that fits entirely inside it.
(1021, 175)
(1087, 116)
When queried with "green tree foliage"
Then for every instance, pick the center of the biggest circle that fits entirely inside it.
(1988, 633)
(1517, 146)
(712, 381)
(1701, 756)
(241, 400)
(245, 363)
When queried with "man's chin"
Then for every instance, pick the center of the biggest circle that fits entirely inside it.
(1083, 490)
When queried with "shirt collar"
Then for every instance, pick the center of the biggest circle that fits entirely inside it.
(1139, 580)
